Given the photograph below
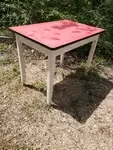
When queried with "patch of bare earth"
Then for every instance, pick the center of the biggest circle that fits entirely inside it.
(81, 120)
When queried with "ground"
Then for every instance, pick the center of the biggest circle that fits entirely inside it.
(81, 117)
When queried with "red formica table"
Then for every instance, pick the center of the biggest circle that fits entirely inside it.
(53, 39)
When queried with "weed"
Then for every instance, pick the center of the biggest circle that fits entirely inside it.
(40, 86)
(87, 73)
(3, 47)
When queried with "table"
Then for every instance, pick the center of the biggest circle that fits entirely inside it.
(53, 39)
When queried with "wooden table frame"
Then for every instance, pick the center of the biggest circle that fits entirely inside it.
(51, 57)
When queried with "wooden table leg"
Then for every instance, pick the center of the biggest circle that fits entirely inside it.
(50, 77)
(92, 50)
(61, 58)
(21, 59)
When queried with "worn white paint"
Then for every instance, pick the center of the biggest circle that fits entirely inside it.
(62, 58)
(21, 59)
(91, 53)
(50, 77)
(51, 57)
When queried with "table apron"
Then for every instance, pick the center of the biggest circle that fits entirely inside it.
(75, 45)
(58, 51)
(33, 45)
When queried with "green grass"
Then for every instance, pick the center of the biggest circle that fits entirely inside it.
(8, 73)
(87, 73)
(40, 86)
(3, 47)
(8, 68)
(97, 61)
(5, 31)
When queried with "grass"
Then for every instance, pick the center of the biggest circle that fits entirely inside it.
(9, 69)
(3, 47)
(25, 113)
(25, 147)
(5, 31)
(83, 72)
(40, 86)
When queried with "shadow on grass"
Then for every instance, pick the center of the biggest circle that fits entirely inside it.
(36, 88)
(80, 93)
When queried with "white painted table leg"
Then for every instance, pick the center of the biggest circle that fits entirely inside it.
(21, 60)
(50, 78)
(62, 58)
(91, 53)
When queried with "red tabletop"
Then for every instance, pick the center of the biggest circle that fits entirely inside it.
(57, 33)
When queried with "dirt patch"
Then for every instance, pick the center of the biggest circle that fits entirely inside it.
(81, 119)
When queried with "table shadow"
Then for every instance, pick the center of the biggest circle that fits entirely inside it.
(42, 90)
(79, 97)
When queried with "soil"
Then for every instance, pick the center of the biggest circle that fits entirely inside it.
(81, 117)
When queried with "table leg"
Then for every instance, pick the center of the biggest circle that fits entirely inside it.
(21, 59)
(91, 53)
(61, 58)
(50, 77)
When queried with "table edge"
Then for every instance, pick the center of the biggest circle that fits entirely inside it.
(55, 48)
